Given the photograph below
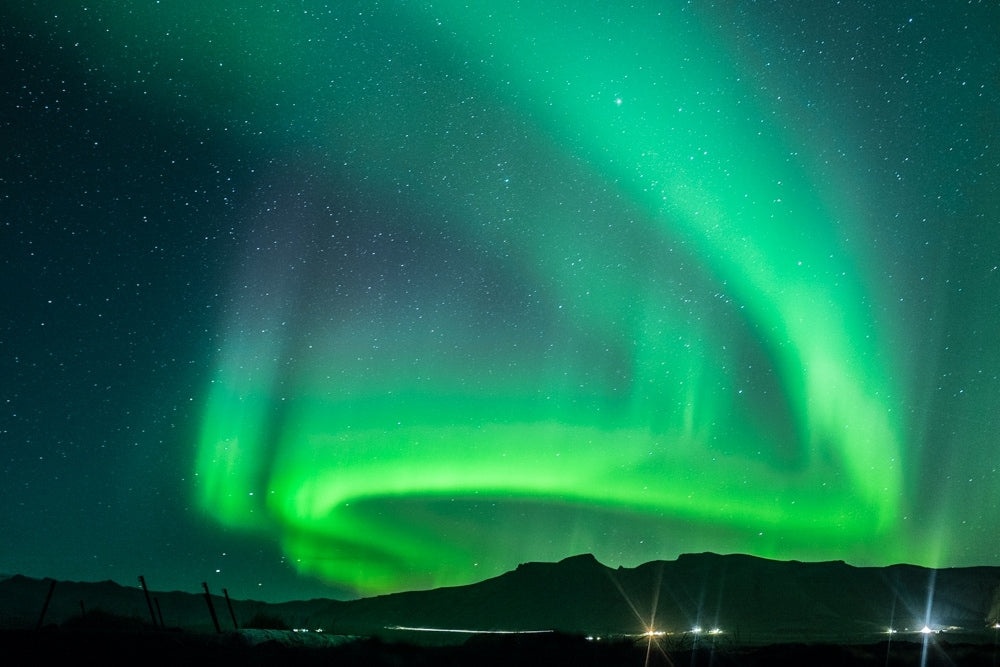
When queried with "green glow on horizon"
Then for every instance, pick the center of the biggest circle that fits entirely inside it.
(376, 476)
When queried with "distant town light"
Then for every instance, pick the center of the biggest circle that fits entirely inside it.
(926, 630)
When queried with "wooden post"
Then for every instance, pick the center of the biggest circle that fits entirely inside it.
(45, 607)
(159, 612)
(211, 607)
(229, 604)
(149, 603)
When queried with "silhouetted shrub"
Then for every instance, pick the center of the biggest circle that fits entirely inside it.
(99, 619)
(265, 621)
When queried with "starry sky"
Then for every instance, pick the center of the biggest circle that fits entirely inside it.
(332, 299)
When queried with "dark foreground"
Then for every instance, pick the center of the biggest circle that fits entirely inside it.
(68, 647)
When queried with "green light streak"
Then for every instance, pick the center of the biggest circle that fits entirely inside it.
(329, 471)
(681, 252)
(754, 215)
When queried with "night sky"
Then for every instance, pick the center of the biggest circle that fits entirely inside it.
(324, 299)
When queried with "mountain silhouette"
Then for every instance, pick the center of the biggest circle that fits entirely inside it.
(748, 599)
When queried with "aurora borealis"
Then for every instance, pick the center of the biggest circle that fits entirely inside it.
(461, 287)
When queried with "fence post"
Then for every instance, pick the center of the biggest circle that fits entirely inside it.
(211, 607)
(149, 603)
(45, 607)
(229, 604)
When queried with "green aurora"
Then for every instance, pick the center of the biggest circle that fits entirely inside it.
(374, 469)
(534, 279)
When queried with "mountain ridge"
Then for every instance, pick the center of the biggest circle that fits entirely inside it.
(746, 597)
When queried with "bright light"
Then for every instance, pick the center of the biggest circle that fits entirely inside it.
(891, 631)
(715, 631)
(926, 630)
(654, 633)
(696, 629)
